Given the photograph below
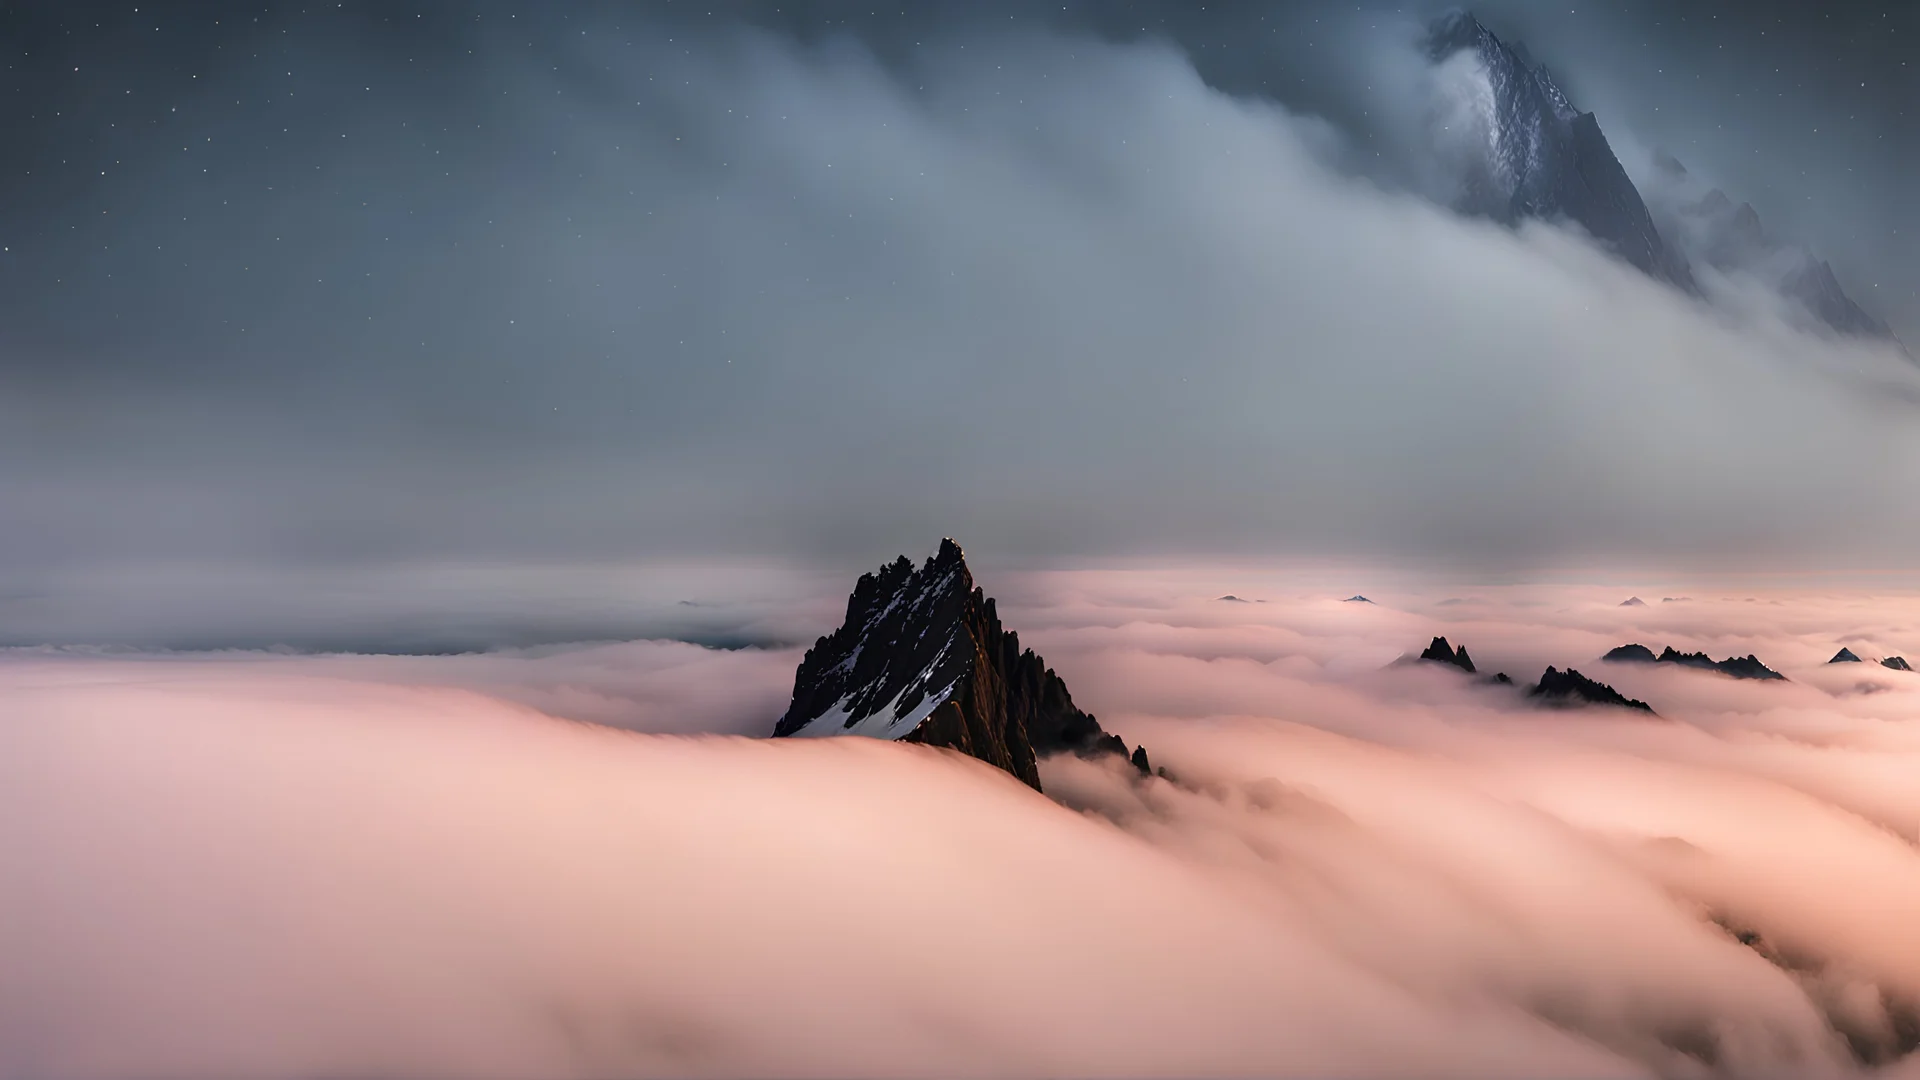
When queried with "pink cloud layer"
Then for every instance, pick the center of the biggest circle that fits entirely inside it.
(252, 864)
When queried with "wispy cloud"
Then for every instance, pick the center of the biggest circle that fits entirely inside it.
(1048, 292)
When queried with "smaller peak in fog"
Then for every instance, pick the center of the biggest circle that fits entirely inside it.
(1570, 688)
(1440, 652)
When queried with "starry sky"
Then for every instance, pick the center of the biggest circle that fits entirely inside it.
(321, 281)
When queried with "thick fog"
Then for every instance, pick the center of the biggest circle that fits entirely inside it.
(250, 864)
(651, 289)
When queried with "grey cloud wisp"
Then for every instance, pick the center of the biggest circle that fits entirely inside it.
(661, 289)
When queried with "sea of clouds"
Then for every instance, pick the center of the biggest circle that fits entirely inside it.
(1062, 294)
(586, 861)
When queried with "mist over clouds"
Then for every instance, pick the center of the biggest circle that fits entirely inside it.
(266, 865)
(622, 284)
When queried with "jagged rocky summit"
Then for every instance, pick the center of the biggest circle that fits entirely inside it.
(1897, 663)
(1547, 160)
(1569, 687)
(922, 658)
(1556, 688)
(1440, 652)
(1740, 667)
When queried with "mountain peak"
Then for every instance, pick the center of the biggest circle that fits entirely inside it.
(1570, 688)
(1544, 158)
(1453, 30)
(1730, 237)
(922, 657)
(949, 553)
(1441, 652)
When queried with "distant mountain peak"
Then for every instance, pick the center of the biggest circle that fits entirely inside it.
(1547, 160)
(1440, 652)
(1740, 667)
(1452, 30)
(1731, 238)
(1569, 687)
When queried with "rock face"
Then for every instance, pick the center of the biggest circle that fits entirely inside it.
(1740, 667)
(1897, 663)
(922, 657)
(1442, 653)
(1569, 687)
(1844, 656)
(1545, 159)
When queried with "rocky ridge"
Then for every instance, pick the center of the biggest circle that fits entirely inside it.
(1740, 667)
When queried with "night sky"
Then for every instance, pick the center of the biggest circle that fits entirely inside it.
(363, 280)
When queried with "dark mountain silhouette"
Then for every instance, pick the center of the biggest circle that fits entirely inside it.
(922, 657)
(1570, 688)
(1897, 663)
(1442, 653)
(1740, 667)
(1630, 654)
(1844, 656)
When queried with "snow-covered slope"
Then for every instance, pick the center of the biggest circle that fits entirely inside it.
(922, 657)
(901, 653)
